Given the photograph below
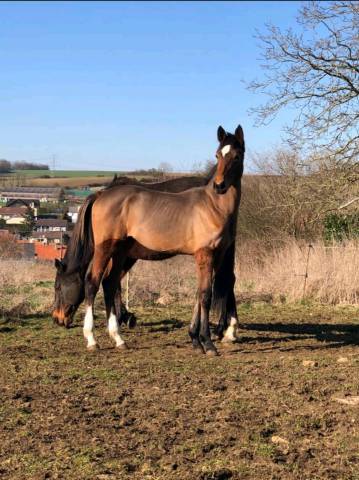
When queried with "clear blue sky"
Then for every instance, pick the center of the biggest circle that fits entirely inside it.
(116, 86)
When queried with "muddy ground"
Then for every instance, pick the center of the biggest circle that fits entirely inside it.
(162, 411)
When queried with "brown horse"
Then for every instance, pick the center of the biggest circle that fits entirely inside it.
(223, 298)
(199, 222)
(70, 275)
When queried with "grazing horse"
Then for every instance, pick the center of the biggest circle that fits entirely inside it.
(199, 222)
(70, 275)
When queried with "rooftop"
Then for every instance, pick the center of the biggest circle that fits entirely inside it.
(51, 235)
(48, 190)
(51, 222)
(13, 210)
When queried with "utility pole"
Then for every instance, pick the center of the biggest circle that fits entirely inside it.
(53, 163)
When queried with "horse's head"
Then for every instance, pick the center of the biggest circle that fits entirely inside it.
(230, 154)
(69, 294)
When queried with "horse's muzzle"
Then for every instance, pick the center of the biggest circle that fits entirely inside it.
(220, 188)
(62, 317)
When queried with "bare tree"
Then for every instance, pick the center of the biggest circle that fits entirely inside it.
(295, 200)
(5, 166)
(165, 168)
(316, 72)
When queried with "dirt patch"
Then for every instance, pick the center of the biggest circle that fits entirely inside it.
(161, 411)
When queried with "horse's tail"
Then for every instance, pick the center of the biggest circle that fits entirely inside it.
(81, 247)
(224, 282)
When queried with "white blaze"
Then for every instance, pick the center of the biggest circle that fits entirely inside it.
(226, 149)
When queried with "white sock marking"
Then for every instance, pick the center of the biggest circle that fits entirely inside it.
(113, 330)
(88, 327)
(231, 332)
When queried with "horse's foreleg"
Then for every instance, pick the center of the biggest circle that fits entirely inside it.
(88, 328)
(204, 261)
(195, 324)
(92, 283)
(112, 289)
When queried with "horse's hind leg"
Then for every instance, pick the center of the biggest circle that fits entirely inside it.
(223, 290)
(123, 315)
(230, 334)
(92, 283)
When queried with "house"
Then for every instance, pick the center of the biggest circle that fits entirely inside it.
(48, 252)
(19, 202)
(73, 212)
(4, 233)
(50, 237)
(50, 225)
(41, 251)
(42, 194)
(13, 215)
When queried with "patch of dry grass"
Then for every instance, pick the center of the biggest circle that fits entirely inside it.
(333, 271)
(170, 280)
(333, 277)
(26, 287)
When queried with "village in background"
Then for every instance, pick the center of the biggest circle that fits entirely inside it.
(36, 221)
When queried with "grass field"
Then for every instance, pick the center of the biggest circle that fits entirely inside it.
(161, 411)
(64, 178)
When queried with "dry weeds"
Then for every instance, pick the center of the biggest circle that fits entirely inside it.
(333, 271)
(333, 277)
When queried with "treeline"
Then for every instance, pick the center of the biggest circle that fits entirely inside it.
(299, 197)
(8, 167)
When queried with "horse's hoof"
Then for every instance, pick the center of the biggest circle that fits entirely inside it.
(132, 321)
(227, 342)
(123, 346)
(212, 353)
(93, 348)
(197, 346)
(218, 333)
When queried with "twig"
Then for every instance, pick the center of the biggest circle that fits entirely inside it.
(348, 203)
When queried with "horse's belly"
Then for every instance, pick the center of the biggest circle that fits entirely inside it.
(159, 241)
(176, 238)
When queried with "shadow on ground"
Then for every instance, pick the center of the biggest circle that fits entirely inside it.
(338, 334)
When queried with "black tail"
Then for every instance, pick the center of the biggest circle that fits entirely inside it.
(81, 246)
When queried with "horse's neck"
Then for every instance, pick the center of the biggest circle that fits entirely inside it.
(227, 203)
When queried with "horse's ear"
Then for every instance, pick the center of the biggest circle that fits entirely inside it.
(221, 134)
(60, 267)
(239, 135)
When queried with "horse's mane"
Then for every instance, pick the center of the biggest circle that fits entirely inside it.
(174, 185)
(80, 247)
